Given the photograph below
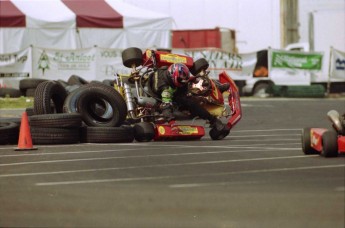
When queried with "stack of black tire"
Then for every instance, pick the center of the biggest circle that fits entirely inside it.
(89, 113)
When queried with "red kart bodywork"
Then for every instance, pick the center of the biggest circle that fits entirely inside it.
(178, 132)
(233, 99)
(189, 132)
(164, 58)
(173, 131)
(317, 141)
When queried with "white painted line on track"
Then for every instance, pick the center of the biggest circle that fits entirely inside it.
(74, 152)
(270, 130)
(249, 136)
(205, 184)
(153, 166)
(185, 176)
(134, 156)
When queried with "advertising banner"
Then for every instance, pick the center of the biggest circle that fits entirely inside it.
(293, 68)
(337, 68)
(294, 60)
(54, 64)
(109, 63)
(14, 67)
(238, 66)
(90, 64)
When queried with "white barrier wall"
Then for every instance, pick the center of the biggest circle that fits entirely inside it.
(101, 63)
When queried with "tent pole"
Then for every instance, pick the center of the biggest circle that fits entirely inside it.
(78, 35)
(329, 71)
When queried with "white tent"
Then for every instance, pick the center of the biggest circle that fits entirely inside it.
(72, 24)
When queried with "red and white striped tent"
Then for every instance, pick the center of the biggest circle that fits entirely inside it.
(71, 24)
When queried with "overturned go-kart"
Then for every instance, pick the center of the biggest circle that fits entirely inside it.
(327, 143)
(143, 107)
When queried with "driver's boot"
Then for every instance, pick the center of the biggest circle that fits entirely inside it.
(217, 124)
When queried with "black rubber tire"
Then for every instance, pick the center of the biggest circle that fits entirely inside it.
(30, 92)
(49, 98)
(70, 103)
(198, 66)
(132, 56)
(9, 133)
(218, 135)
(10, 92)
(58, 120)
(123, 134)
(306, 142)
(96, 93)
(108, 82)
(144, 132)
(63, 83)
(42, 135)
(30, 83)
(30, 111)
(76, 80)
(329, 144)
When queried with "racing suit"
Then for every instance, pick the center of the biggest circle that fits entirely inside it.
(163, 87)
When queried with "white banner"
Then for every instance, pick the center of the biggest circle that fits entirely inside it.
(238, 66)
(14, 67)
(337, 68)
(90, 64)
(109, 62)
(61, 64)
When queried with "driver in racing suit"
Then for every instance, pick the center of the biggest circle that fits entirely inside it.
(171, 85)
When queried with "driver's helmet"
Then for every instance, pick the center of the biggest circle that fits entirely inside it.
(179, 74)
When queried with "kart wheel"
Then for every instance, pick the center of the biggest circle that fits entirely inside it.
(306, 142)
(144, 132)
(329, 144)
(218, 135)
(132, 56)
(198, 66)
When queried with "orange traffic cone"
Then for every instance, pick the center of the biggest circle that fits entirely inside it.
(25, 140)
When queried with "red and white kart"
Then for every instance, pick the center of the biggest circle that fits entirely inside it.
(143, 105)
(327, 143)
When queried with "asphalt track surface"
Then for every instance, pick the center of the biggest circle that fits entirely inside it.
(256, 177)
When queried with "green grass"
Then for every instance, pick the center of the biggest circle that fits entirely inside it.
(12, 103)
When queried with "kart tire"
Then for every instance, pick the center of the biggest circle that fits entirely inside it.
(198, 66)
(123, 134)
(144, 132)
(218, 135)
(58, 120)
(49, 98)
(9, 132)
(98, 93)
(132, 56)
(329, 144)
(306, 142)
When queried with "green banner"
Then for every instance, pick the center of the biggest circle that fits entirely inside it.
(302, 61)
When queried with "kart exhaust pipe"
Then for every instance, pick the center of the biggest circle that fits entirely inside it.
(334, 117)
